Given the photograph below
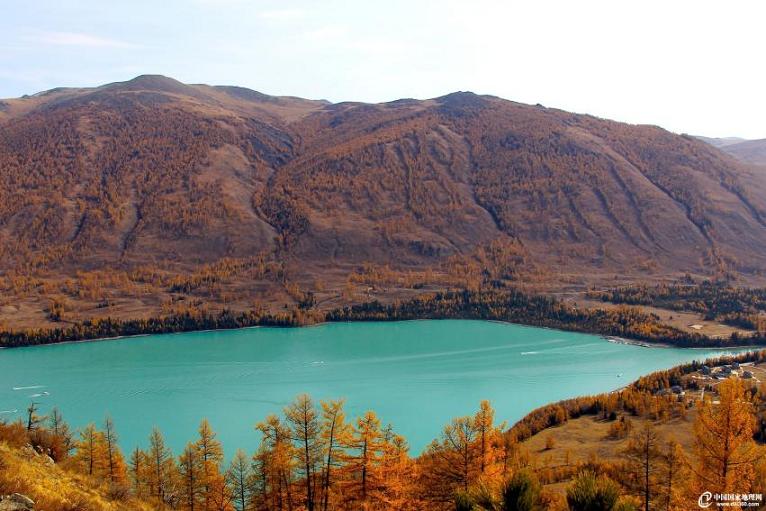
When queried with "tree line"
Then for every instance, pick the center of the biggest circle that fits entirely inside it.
(737, 306)
(510, 305)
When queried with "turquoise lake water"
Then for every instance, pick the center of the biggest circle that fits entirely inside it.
(416, 375)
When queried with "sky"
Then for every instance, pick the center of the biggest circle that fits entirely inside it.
(689, 66)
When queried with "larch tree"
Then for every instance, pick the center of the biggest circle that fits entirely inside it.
(162, 467)
(62, 434)
(305, 428)
(211, 457)
(367, 442)
(115, 462)
(139, 473)
(396, 468)
(508, 446)
(455, 456)
(643, 454)
(723, 435)
(484, 425)
(336, 433)
(33, 420)
(90, 450)
(190, 470)
(240, 479)
(672, 475)
(275, 462)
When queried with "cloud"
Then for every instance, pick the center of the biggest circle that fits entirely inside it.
(81, 39)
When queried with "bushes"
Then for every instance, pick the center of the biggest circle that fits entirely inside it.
(522, 492)
(592, 493)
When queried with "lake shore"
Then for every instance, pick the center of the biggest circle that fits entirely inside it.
(508, 306)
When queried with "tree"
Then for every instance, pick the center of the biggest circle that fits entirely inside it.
(33, 420)
(162, 467)
(274, 463)
(522, 492)
(455, 456)
(305, 430)
(90, 450)
(239, 476)
(63, 441)
(190, 467)
(643, 455)
(673, 470)
(368, 445)
(591, 493)
(723, 435)
(336, 432)
(211, 457)
(484, 425)
(396, 469)
(115, 462)
(139, 472)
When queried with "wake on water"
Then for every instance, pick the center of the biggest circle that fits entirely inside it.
(30, 387)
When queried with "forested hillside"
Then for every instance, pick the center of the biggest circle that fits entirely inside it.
(135, 198)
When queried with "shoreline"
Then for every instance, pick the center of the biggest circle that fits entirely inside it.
(612, 339)
(609, 338)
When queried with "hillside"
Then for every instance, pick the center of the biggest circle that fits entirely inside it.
(722, 142)
(750, 151)
(129, 198)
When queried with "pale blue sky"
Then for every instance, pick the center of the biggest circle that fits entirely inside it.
(688, 65)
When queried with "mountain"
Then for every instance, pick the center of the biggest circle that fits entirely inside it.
(747, 151)
(750, 151)
(128, 197)
(721, 142)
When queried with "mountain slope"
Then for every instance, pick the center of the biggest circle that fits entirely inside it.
(749, 151)
(721, 142)
(167, 177)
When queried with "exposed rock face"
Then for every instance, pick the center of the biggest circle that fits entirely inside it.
(16, 502)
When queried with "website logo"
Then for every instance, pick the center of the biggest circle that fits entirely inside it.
(705, 500)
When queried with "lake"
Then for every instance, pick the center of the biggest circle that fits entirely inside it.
(416, 375)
